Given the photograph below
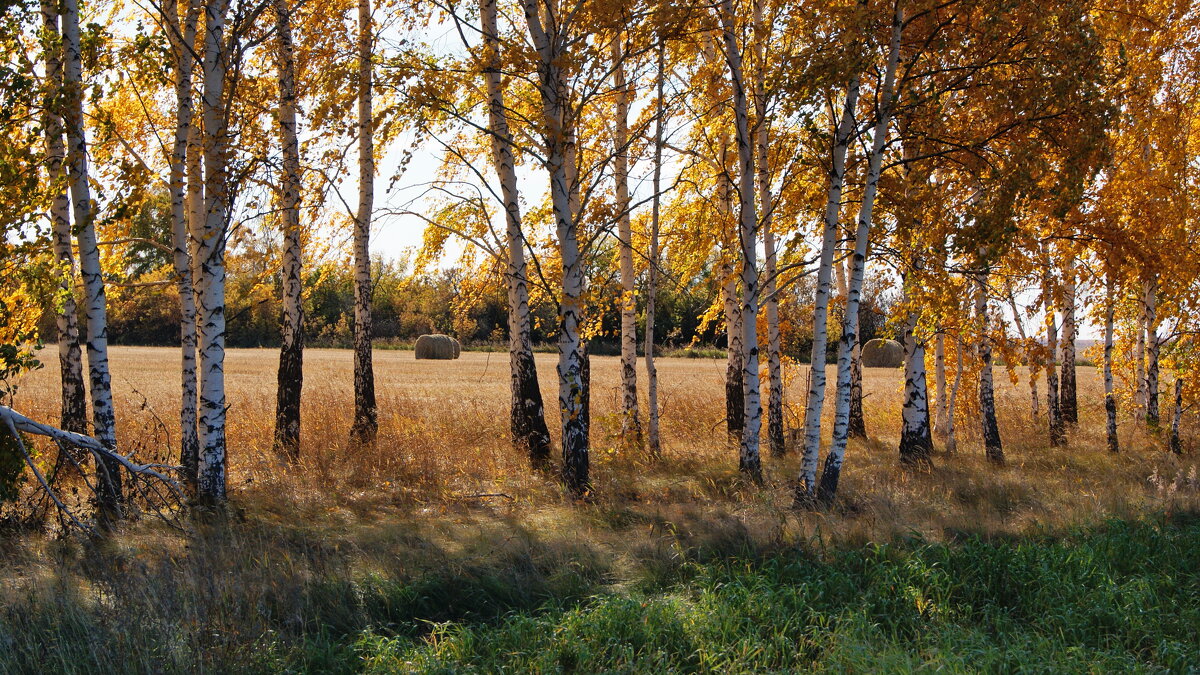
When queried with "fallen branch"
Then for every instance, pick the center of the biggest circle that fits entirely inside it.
(148, 479)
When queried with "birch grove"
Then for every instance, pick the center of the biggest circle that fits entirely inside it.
(941, 187)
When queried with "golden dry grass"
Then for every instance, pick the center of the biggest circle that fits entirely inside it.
(352, 535)
(442, 443)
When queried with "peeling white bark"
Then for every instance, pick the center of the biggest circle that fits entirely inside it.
(211, 484)
(103, 420)
(73, 395)
(560, 159)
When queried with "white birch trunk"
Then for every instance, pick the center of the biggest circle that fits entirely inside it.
(652, 434)
(527, 419)
(775, 435)
(952, 399)
(1030, 357)
(1174, 443)
(940, 420)
(993, 448)
(211, 483)
(749, 460)
(572, 393)
(631, 426)
(1152, 351)
(1068, 406)
(103, 419)
(1139, 357)
(1110, 399)
(806, 490)
(916, 439)
(189, 447)
(831, 473)
(70, 361)
(366, 416)
(183, 40)
(735, 350)
(290, 376)
(1053, 412)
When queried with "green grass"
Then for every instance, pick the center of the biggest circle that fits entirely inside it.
(1121, 597)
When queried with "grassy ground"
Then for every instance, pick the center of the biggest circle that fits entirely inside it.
(438, 550)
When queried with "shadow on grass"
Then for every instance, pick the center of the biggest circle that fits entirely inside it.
(494, 590)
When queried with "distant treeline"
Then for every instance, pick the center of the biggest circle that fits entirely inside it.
(407, 305)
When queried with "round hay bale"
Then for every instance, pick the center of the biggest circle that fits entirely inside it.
(457, 347)
(439, 347)
(882, 354)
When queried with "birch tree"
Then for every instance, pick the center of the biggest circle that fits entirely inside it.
(841, 416)
(806, 489)
(775, 436)
(549, 40)
(631, 427)
(181, 33)
(108, 476)
(366, 417)
(290, 376)
(749, 460)
(527, 419)
(652, 430)
(74, 397)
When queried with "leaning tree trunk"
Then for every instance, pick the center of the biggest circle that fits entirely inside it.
(572, 384)
(290, 377)
(1110, 399)
(749, 460)
(631, 426)
(70, 362)
(1175, 445)
(993, 447)
(1068, 406)
(103, 420)
(183, 42)
(652, 435)
(210, 260)
(366, 416)
(775, 436)
(806, 489)
(1152, 351)
(527, 420)
(832, 470)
